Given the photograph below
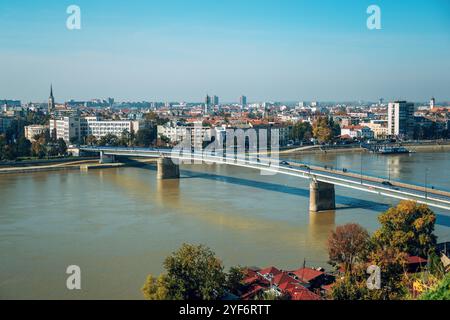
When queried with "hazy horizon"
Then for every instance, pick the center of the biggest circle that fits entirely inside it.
(267, 50)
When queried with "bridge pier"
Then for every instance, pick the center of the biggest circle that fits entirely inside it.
(167, 169)
(321, 196)
(106, 158)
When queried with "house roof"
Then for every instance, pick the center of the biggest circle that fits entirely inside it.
(416, 259)
(307, 274)
(270, 270)
(301, 293)
(281, 279)
(252, 291)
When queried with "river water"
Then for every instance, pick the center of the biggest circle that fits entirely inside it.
(119, 224)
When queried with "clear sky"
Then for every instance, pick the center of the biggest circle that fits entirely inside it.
(284, 50)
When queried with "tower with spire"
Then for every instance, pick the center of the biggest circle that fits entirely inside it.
(51, 100)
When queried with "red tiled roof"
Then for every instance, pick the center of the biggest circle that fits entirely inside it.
(270, 270)
(416, 259)
(281, 279)
(250, 280)
(301, 293)
(251, 292)
(307, 274)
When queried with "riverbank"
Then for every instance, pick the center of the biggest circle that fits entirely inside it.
(438, 146)
(65, 166)
(61, 165)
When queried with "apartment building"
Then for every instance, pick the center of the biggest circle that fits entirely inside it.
(379, 128)
(76, 128)
(33, 130)
(196, 134)
(401, 119)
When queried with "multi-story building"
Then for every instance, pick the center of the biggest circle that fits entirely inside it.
(5, 123)
(215, 100)
(33, 130)
(75, 127)
(379, 128)
(243, 101)
(92, 126)
(358, 132)
(67, 128)
(195, 134)
(401, 119)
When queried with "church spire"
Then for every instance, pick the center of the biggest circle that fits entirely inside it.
(51, 100)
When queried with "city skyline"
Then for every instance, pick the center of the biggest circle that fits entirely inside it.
(236, 101)
(270, 51)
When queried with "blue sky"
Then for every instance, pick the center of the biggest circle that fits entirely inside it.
(284, 50)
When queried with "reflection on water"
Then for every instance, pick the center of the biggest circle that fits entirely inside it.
(119, 224)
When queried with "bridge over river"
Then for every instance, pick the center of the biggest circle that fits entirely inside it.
(322, 180)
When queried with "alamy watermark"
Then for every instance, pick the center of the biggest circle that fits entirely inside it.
(374, 20)
(73, 281)
(255, 148)
(73, 21)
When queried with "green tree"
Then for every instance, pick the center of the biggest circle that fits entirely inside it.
(125, 138)
(192, 273)
(2, 146)
(301, 131)
(234, 279)
(145, 137)
(38, 149)
(91, 140)
(109, 140)
(408, 227)
(440, 292)
(61, 147)
(23, 147)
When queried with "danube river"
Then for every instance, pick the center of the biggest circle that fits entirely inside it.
(119, 224)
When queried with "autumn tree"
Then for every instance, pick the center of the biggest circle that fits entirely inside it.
(156, 289)
(322, 130)
(408, 227)
(354, 286)
(348, 245)
(393, 265)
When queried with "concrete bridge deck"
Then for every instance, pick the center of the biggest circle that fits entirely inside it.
(320, 178)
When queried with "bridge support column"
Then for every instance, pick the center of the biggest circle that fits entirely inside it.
(321, 196)
(167, 169)
(106, 159)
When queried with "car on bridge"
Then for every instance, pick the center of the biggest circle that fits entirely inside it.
(389, 184)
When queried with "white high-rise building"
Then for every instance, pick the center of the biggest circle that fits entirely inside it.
(432, 103)
(401, 119)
